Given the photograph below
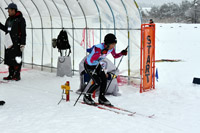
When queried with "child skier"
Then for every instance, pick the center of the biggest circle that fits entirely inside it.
(98, 53)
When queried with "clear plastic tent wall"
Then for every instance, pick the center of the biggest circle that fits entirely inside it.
(86, 21)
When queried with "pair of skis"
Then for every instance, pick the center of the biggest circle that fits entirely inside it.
(119, 110)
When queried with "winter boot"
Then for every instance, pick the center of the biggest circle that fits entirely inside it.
(88, 100)
(104, 101)
(16, 78)
(7, 78)
(11, 73)
(16, 75)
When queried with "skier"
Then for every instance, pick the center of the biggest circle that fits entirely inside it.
(98, 53)
(15, 26)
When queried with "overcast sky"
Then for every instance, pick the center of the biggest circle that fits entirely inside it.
(159, 2)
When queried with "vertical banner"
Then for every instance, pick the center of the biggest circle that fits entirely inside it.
(147, 61)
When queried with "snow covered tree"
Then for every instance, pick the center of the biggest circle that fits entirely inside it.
(187, 12)
(193, 13)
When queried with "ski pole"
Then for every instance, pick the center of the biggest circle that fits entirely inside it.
(86, 85)
(114, 73)
(61, 98)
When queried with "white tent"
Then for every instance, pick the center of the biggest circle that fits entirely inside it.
(86, 21)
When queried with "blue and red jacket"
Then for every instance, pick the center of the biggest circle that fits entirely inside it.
(95, 56)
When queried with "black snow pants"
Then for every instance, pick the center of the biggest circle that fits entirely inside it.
(99, 78)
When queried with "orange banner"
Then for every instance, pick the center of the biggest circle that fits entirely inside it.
(147, 57)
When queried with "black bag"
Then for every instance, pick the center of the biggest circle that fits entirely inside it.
(62, 42)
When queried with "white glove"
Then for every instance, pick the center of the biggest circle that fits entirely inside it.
(22, 47)
(18, 59)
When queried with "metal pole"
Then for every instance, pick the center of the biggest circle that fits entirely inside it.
(59, 13)
(154, 66)
(42, 32)
(3, 13)
(85, 24)
(138, 10)
(51, 34)
(6, 2)
(72, 32)
(99, 18)
(127, 18)
(115, 71)
(90, 28)
(113, 21)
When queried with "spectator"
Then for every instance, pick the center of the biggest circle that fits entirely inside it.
(15, 26)
(151, 21)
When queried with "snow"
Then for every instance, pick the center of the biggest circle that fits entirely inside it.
(31, 104)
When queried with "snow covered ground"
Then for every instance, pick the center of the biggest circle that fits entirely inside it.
(31, 104)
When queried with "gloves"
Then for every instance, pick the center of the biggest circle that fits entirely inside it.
(111, 76)
(22, 47)
(124, 52)
(104, 51)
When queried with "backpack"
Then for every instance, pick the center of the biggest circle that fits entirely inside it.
(62, 42)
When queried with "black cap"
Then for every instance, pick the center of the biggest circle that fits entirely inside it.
(110, 38)
(11, 6)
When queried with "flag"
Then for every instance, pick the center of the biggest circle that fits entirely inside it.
(156, 74)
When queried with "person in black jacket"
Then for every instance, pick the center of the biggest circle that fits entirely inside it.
(15, 26)
(151, 21)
